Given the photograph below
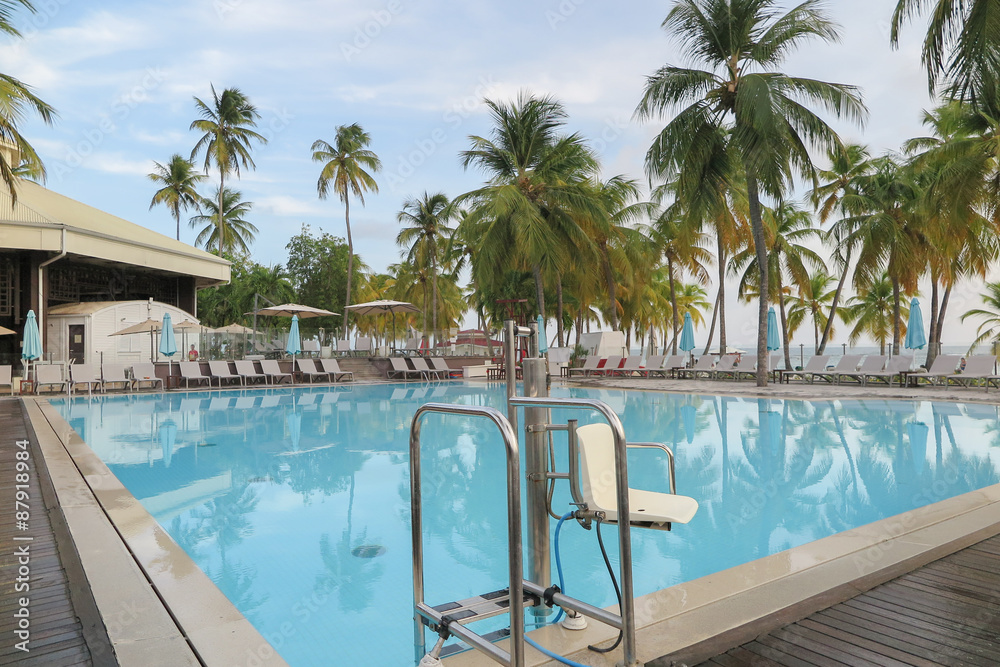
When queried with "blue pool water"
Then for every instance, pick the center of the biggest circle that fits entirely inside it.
(296, 501)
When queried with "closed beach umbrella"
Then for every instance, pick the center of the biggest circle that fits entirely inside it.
(687, 334)
(294, 345)
(773, 343)
(32, 346)
(168, 344)
(915, 337)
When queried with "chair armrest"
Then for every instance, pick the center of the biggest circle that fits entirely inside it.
(670, 458)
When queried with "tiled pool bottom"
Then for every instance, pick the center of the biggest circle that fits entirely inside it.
(338, 467)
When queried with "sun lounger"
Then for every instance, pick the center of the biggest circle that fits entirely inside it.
(219, 370)
(873, 363)
(894, 369)
(245, 369)
(113, 374)
(847, 364)
(439, 364)
(589, 366)
(653, 366)
(816, 365)
(145, 373)
(332, 368)
(399, 368)
(943, 366)
(704, 367)
(344, 347)
(726, 367)
(363, 347)
(420, 364)
(48, 375)
(674, 363)
(6, 377)
(632, 365)
(978, 367)
(84, 374)
(307, 368)
(747, 367)
(270, 368)
(610, 367)
(191, 370)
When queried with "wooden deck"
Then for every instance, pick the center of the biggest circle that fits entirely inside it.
(945, 613)
(58, 637)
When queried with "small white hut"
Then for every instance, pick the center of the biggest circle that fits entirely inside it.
(82, 332)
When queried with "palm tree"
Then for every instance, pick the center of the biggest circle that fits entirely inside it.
(813, 300)
(771, 126)
(989, 328)
(428, 230)
(228, 232)
(962, 44)
(537, 190)
(873, 312)
(228, 130)
(344, 171)
(178, 179)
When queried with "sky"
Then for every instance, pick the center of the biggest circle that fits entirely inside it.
(123, 77)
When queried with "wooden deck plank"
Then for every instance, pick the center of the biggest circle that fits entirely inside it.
(945, 613)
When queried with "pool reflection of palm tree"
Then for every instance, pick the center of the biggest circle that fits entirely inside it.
(224, 518)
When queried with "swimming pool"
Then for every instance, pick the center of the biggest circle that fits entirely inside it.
(295, 502)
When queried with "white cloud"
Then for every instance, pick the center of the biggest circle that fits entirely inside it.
(286, 206)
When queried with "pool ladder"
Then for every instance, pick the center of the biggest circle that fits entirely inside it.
(449, 619)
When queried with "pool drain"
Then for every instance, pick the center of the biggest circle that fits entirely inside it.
(368, 551)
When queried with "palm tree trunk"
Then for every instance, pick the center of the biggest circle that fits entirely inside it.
(895, 316)
(559, 308)
(579, 326)
(177, 214)
(722, 291)
(350, 259)
(828, 329)
(940, 323)
(760, 246)
(932, 337)
(536, 270)
(434, 279)
(673, 302)
(609, 276)
(711, 328)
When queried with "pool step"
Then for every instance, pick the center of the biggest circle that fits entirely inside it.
(481, 606)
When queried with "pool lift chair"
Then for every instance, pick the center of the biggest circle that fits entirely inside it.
(598, 481)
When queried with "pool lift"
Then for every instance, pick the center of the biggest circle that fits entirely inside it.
(595, 452)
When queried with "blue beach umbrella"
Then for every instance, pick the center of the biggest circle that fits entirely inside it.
(168, 344)
(543, 343)
(773, 343)
(294, 344)
(915, 337)
(32, 345)
(687, 334)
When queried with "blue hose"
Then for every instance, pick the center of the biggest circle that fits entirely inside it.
(555, 656)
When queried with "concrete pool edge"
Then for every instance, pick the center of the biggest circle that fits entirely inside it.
(690, 622)
(158, 606)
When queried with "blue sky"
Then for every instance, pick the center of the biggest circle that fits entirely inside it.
(123, 74)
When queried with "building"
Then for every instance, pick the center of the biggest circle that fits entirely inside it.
(56, 251)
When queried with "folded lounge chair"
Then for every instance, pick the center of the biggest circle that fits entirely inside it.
(114, 374)
(332, 368)
(219, 371)
(894, 369)
(943, 366)
(145, 373)
(847, 364)
(873, 363)
(245, 369)
(84, 374)
(191, 370)
(307, 367)
(816, 365)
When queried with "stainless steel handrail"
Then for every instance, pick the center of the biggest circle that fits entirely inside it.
(621, 491)
(515, 556)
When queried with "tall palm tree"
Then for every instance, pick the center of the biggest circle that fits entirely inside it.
(961, 46)
(178, 178)
(813, 300)
(425, 236)
(872, 311)
(536, 192)
(989, 328)
(228, 130)
(347, 164)
(741, 43)
(225, 230)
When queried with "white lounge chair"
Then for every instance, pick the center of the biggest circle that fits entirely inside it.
(978, 367)
(704, 366)
(873, 363)
(589, 366)
(84, 374)
(332, 367)
(653, 366)
(145, 373)
(439, 364)
(344, 347)
(597, 467)
(610, 367)
(270, 368)
(745, 367)
(726, 366)
(363, 346)
(815, 365)
(674, 363)
(943, 366)
(246, 370)
(632, 365)
(399, 368)
(113, 374)
(893, 370)
(307, 368)
(420, 364)
(847, 364)
(219, 370)
(191, 370)
(48, 375)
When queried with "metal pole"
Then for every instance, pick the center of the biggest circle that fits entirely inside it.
(536, 467)
(510, 371)
(802, 348)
